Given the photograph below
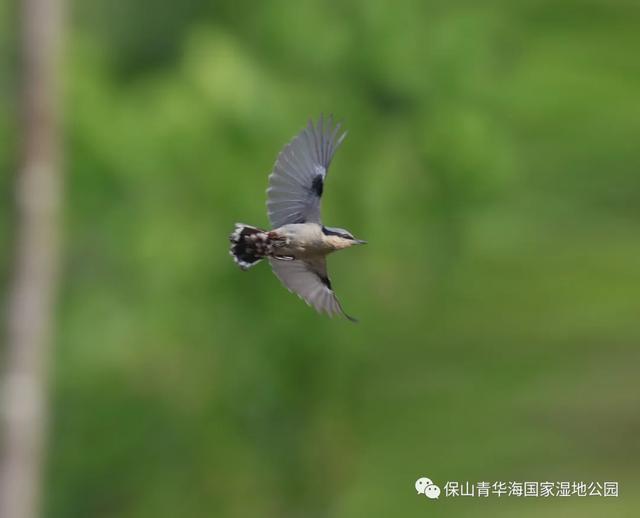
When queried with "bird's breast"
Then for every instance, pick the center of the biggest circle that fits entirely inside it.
(302, 241)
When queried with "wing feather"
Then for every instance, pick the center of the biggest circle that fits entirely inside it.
(309, 280)
(299, 173)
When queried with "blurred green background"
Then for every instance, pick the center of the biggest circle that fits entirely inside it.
(492, 163)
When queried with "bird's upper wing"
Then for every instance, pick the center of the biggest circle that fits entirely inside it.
(297, 180)
(309, 280)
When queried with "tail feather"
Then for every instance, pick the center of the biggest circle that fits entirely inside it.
(249, 245)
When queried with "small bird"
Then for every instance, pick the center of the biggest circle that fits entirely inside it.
(298, 243)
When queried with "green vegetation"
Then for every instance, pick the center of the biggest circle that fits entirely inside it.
(492, 163)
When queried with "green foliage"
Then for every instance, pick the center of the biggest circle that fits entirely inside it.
(491, 163)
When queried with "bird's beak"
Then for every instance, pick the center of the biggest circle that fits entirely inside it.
(360, 242)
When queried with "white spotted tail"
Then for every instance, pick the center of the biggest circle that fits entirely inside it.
(249, 245)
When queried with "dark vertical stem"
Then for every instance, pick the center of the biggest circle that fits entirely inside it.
(38, 190)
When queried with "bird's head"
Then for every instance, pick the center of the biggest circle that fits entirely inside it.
(340, 238)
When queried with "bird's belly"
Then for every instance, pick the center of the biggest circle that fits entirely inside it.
(303, 249)
(301, 241)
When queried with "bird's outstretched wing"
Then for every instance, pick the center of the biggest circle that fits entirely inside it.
(309, 280)
(297, 180)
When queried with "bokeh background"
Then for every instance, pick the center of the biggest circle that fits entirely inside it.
(492, 163)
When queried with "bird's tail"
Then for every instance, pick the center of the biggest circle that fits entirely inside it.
(249, 245)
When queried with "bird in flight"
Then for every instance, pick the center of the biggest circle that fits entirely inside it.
(298, 243)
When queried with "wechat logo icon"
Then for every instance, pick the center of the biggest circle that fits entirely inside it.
(426, 487)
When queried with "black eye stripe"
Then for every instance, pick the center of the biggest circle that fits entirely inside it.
(328, 232)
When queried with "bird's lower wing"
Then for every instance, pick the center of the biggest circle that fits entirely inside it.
(309, 280)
